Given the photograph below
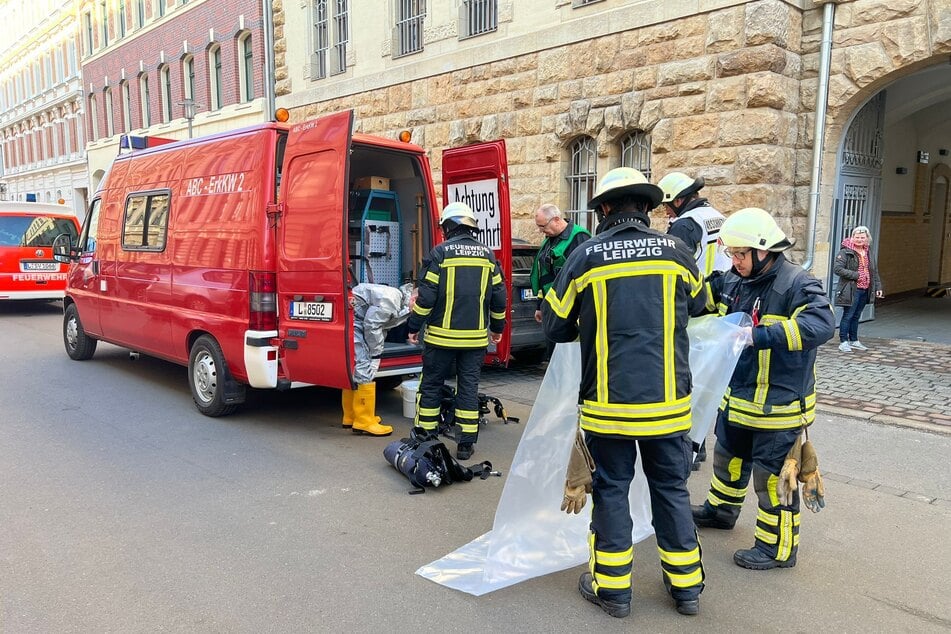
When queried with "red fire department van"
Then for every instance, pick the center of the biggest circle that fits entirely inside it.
(233, 254)
(27, 231)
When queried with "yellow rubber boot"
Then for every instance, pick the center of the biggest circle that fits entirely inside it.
(346, 399)
(364, 406)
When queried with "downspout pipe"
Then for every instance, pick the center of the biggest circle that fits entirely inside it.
(818, 136)
(267, 10)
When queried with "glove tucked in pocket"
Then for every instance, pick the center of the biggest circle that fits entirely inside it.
(578, 476)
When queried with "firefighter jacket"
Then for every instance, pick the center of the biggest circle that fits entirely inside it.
(699, 226)
(773, 386)
(627, 294)
(461, 295)
(551, 258)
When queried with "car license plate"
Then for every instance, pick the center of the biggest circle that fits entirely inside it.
(40, 266)
(528, 295)
(313, 311)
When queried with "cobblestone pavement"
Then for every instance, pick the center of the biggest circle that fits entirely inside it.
(896, 382)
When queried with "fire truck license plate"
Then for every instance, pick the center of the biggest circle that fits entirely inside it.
(40, 266)
(314, 311)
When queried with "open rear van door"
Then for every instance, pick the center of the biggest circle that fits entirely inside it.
(478, 176)
(315, 319)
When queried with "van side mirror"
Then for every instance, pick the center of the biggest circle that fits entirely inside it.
(63, 250)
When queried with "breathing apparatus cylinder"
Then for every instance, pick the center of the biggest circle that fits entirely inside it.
(420, 470)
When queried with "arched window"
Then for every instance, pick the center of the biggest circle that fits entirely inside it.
(165, 83)
(110, 117)
(188, 77)
(145, 99)
(582, 179)
(214, 77)
(93, 118)
(246, 74)
(126, 107)
(636, 152)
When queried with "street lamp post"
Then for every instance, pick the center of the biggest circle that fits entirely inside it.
(190, 107)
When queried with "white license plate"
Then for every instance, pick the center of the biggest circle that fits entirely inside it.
(528, 295)
(314, 311)
(40, 266)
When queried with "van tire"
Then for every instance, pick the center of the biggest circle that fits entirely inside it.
(207, 375)
(79, 345)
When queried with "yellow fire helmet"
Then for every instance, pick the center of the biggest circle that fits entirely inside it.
(459, 213)
(625, 181)
(753, 227)
(677, 185)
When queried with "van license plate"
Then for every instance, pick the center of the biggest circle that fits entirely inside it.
(40, 266)
(313, 311)
(528, 295)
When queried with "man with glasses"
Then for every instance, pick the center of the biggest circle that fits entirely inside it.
(772, 394)
(561, 238)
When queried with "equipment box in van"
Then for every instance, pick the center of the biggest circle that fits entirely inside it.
(234, 254)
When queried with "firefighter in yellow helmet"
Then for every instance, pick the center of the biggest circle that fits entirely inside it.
(772, 394)
(627, 294)
(461, 304)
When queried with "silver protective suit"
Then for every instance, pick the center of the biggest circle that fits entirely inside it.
(377, 308)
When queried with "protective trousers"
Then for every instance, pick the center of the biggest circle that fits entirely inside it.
(666, 463)
(438, 364)
(741, 451)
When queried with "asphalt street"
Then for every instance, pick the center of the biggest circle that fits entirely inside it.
(125, 510)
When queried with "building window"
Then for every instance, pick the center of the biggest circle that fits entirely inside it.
(477, 17)
(636, 152)
(122, 18)
(165, 82)
(139, 13)
(126, 107)
(188, 77)
(110, 119)
(161, 8)
(87, 32)
(338, 62)
(581, 3)
(582, 180)
(246, 77)
(214, 77)
(104, 23)
(331, 36)
(93, 118)
(146, 100)
(321, 39)
(409, 26)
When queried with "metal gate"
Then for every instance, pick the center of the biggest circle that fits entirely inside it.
(858, 199)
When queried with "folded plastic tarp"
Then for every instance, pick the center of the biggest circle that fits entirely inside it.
(531, 536)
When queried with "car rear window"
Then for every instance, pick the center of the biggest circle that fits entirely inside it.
(34, 231)
(522, 260)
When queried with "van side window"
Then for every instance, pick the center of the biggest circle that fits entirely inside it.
(146, 221)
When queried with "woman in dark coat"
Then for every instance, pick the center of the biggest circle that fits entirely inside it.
(859, 285)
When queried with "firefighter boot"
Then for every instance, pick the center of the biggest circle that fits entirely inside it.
(707, 516)
(365, 420)
(346, 399)
(756, 559)
(614, 608)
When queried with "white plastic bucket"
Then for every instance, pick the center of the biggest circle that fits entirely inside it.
(409, 389)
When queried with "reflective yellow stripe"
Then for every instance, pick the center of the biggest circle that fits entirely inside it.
(454, 262)
(450, 297)
(432, 276)
(456, 343)
(785, 546)
(793, 338)
(614, 559)
(456, 333)
(483, 286)
(683, 558)
(771, 489)
(767, 518)
(765, 536)
(772, 422)
(710, 255)
(496, 315)
(735, 467)
(643, 428)
(670, 377)
(636, 410)
(749, 407)
(711, 305)
(561, 306)
(598, 293)
(467, 413)
(685, 580)
(468, 428)
(613, 582)
(496, 279)
(419, 310)
(722, 487)
(628, 269)
(715, 500)
(429, 411)
(762, 377)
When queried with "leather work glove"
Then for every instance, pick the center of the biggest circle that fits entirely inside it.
(788, 482)
(578, 476)
(813, 491)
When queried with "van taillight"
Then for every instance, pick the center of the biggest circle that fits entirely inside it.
(263, 301)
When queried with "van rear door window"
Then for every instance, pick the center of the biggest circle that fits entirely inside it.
(145, 224)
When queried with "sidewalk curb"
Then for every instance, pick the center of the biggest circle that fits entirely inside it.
(884, 419)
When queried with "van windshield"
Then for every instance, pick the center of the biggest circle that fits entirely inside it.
(34, 231)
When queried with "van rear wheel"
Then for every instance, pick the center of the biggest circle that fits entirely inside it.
(79, 345)
(207, 374)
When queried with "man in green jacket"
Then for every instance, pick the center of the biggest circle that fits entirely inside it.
(561, 238)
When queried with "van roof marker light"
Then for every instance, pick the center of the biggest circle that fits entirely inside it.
(406, 136)
(282, 115)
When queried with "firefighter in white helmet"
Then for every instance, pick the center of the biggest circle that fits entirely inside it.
(772, 394)
(694, 220)
(627, 294)
(461, 304)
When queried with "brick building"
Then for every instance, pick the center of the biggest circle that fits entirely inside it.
(145, 61)
(725, 89)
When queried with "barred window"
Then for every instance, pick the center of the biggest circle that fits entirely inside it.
(582, 180)
(331, 36)
(409, 26)
(636, 152)
(477, 17)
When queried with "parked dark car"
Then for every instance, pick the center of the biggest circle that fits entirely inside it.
(528, 337)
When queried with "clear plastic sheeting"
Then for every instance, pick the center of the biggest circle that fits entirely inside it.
(531, 536)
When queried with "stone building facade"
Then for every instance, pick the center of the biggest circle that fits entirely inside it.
(727, 92)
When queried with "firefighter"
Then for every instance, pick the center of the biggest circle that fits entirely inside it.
(697, 223)
(461, 303)
(627, 293)
(772, 394)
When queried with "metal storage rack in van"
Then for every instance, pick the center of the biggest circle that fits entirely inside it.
(375, 236)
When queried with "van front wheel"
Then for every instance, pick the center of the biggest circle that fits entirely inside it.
(79, 345)
(207, 374)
